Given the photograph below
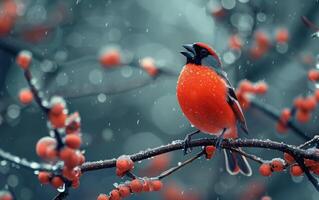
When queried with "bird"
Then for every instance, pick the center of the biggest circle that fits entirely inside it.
(209, 102)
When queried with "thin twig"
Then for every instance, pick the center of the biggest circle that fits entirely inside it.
(22, 162)
(37, 96)
(179, 166)
(249, 156)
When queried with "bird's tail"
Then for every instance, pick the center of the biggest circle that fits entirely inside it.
(236, 163)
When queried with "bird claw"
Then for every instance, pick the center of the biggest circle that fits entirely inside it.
(187, 148)
(219, 140)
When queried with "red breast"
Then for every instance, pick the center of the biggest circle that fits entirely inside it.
(202, 95)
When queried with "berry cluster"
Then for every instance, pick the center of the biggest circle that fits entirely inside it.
(235, 42)
(134, 186)
(296, 170)
(303, 107)
(48, 148)
(261, 46)
(112, 58)
(262, 42)
(275, 165)
(63, 146)
(278, 165)
(246, 89)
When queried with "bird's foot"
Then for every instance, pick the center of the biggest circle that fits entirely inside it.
(220, 139)
(187, 141)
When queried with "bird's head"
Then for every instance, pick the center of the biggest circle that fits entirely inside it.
(201, 54)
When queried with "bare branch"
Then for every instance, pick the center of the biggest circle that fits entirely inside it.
(226, 143)
(22, 162)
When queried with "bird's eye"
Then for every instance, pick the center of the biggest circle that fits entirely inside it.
(203, 52)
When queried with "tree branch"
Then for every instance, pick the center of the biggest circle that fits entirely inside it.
(22, 162)
(226, 143)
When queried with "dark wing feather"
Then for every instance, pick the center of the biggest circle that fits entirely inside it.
(233, 102)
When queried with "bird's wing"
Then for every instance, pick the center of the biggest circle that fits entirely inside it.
(233, 102)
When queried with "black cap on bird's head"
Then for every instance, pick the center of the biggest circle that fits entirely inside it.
(201, 54)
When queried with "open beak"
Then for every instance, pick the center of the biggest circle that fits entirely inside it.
(190, 53)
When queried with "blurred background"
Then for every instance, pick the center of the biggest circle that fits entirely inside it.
(128, 108)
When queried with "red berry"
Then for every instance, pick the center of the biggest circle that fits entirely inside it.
(316, 95)
(115, 195)
(124, 164)
(310, 163)
(25, 96)
(119, 173)
(73, 124)
(277, 165)
(243, 100)
(285, 115)
(103, 197)
(210, 151)
(235, 42)
(57, 182)
(281, 128)
(136, 186)
(257, 52)
(111, 58)
(148, 64)
(5, 195)
(261, 88)
(310, 103)
(262, 40)
(282, 35)
(288, 158)
(57, 121)
(246, 86)
(75, 183)
(57, 109)
(51, 153)
(218, 12)
(296, 170)
(124, 191)
(298, 102)
(146, 186)
(44, 177)
(73, 141)
(313, 75)
(73, 160)
(24, 59)
(303, 116)
(157, 185)
(44, 145)
(265, 169)
(81, 158)
(66, 153)
(265, 198)
(69, 173)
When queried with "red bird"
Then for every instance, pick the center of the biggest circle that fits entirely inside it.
(209, 101)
